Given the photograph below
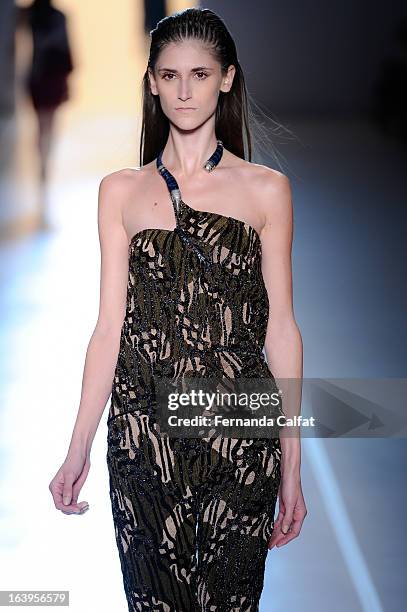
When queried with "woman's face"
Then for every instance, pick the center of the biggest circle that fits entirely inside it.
(188, 80)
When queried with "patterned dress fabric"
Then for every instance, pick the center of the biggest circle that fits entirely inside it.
(192, 516)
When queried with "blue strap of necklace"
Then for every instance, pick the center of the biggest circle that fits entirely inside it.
(172, 184)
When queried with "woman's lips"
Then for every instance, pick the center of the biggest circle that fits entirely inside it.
(185, 109)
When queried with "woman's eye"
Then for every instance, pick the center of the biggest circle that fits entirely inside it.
(201, 76)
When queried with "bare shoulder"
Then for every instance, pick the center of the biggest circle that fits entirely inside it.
(121, 181)
(270, 189)
(263, 182)
(266, 181)
(115, 191)
(120, 194)
(121, 186)
(273, 193)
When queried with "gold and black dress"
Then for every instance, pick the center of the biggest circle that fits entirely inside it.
(192, 517)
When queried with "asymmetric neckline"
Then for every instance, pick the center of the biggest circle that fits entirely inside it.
(198, 212)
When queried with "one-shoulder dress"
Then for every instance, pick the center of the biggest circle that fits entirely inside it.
(192, 517)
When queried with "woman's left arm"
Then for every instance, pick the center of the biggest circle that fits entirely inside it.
(283, 346)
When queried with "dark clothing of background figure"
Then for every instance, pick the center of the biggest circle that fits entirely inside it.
(46, 80)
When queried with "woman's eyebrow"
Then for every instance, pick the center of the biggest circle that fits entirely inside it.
(192, 69)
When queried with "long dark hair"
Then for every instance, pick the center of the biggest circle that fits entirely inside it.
(235, 117)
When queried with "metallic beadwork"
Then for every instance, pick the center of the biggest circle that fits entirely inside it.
(192, 516)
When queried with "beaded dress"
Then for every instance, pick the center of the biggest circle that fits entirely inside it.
(192, 517)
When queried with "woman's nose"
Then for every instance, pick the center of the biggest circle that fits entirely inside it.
(184, 92)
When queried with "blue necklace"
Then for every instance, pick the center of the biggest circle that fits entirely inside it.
(172, 184)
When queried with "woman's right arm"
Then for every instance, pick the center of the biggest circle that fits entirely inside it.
(103, 347)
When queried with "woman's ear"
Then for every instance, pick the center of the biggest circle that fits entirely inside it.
(153, 87)
(227, 80)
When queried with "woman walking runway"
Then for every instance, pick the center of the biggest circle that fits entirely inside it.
(187, 292)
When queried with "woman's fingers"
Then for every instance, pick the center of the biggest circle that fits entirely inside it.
(277, 534)
(69, 478)
(292, 533)
(80, 508)
(72, 508)
(62, 488)
(279, 538)
(291, 515)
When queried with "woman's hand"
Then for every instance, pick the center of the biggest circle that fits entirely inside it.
(67, 483)
(292, 511)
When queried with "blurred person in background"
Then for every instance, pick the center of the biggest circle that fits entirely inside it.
(46, 80)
